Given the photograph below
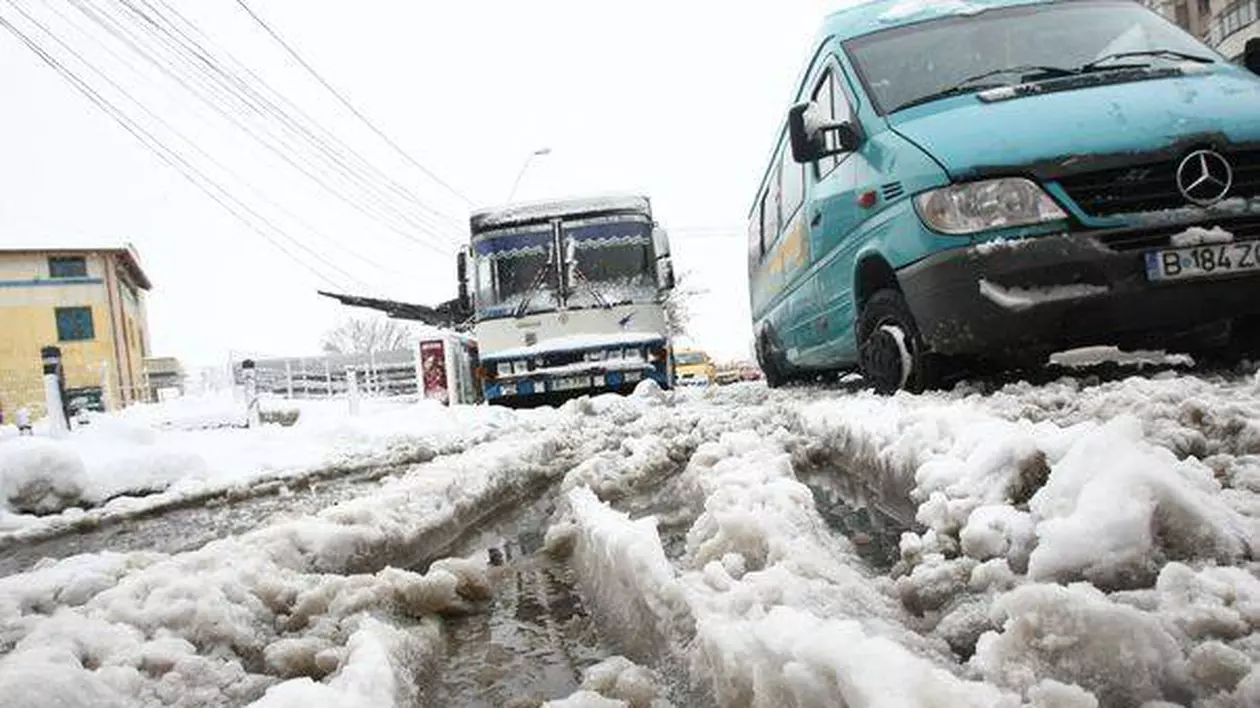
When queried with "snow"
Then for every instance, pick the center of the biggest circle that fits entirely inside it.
(1199, 236)
(1071, 544)
(1019, 299)
(537, 211)
(909, 9)
(155, 456)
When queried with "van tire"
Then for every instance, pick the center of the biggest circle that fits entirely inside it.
(771, 361)
(888, 340)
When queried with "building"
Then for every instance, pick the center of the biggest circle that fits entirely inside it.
(90, 302)
(1225, 25)
(163, 378)
(1232, 25)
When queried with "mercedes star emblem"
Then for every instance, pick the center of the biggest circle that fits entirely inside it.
(1205, 177)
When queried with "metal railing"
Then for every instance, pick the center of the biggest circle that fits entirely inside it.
(391, 373)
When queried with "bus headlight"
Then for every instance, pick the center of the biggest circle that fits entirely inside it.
(972, 207)
(504, 368)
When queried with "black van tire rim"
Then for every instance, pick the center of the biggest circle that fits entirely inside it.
(886, 359)
(891, 354)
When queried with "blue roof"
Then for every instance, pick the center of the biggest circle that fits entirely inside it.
(875, 15)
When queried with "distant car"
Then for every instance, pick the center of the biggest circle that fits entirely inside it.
(1082, 173)
(694, 368)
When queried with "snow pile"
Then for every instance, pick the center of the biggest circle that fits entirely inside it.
(226, 624)
(1098, 555)
(1020, 299)
(39, 475)
(615, 682)
(1199, 236)
(767, 605)
(139, 452)
(308, 610)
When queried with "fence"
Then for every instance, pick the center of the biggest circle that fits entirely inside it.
(391, 373)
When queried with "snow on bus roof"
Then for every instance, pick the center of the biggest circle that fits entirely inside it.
(541, 210)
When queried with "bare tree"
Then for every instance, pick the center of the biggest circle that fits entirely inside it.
(359, 335)
(677, 304)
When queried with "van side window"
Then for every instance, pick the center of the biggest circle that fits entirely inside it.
(831, 98)
(793, 194)
(755, 250)
(825, 97)
(770, 212)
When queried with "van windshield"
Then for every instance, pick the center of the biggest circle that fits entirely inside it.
(903, 66)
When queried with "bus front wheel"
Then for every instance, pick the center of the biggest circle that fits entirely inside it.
(891, 352)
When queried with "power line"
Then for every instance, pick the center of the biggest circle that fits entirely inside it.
(293, 53)
(219, 83)
(167, 155)
(285, 212)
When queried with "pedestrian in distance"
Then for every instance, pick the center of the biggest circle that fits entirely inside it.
(23, 419)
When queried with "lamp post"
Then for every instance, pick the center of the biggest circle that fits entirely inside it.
(537, 153)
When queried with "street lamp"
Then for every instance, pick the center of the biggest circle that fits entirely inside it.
(537, 153)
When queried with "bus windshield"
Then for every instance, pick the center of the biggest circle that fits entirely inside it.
(515, 268)
(613, 262)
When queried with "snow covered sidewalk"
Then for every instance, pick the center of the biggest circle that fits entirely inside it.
(152, 457)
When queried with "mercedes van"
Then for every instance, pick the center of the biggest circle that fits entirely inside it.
(973, 185)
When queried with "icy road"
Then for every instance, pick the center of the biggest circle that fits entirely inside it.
(1072, 543)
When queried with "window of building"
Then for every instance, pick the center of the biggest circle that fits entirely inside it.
(1181, 15)
(1205, 8)
(67, 267)
(74, 324)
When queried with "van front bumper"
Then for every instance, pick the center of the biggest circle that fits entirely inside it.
(1051, 293)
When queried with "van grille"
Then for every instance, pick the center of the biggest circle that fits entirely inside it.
(892, 190)
(1152, 186)
(1247, 229)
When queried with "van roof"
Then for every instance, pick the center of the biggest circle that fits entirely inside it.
(862, 17)
(865, 17)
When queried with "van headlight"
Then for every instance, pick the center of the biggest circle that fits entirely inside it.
(989, 204)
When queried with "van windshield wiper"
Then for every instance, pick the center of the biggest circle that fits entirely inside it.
(1029, 72)
(1095, 65)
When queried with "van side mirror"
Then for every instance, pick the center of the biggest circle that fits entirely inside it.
(808, 132)
(461, 272)
(1251, 55)
(665, 273)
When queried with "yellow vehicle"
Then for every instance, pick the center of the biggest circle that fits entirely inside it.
(693, 367)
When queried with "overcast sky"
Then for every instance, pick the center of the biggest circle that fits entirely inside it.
(677, 101)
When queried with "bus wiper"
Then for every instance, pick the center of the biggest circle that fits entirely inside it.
(537, 284)
(1155, 53)
(1029, 72)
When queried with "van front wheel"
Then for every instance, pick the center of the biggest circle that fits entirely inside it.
(890, 350)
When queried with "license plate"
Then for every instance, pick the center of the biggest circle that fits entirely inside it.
(1203, 261)
(570, 383)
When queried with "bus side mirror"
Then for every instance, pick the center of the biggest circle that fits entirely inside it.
(660, 242)
(1251, 55)
(665, 273)
(461, 272)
